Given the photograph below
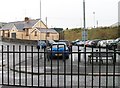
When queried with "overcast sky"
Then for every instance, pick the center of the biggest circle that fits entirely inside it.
(61, 13)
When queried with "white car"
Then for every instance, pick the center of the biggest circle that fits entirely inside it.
(102, 43)
(110, 41)
(80, 43)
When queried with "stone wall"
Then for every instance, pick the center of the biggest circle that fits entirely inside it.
(19, 41)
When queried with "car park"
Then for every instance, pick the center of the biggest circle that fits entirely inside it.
(58, 50)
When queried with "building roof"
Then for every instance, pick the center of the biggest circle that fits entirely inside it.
(20, 25)
(115, 24)
(8, 26)
(58, 29)
(43, 30)
(30, 24)
(2, 24)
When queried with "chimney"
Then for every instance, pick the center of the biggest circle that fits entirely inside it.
(26, 19)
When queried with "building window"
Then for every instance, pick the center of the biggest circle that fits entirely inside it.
(47, 34)
(8, 34)
(35, 33)
(3, 33)
(27, 31)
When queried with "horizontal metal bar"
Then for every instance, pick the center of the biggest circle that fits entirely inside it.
(87, 74)
(51, 52)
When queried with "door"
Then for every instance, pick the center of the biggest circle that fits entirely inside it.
(13, 35)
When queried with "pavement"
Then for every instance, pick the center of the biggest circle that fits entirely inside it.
(20, 87)
(12, 87)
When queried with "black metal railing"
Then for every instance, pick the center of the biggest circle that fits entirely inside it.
(86, 67)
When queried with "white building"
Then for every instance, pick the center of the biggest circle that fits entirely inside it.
(117, 23)
(119, 13)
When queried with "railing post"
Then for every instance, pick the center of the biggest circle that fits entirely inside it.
(71, 67)
(114, 61)
(107, 71)
(79, 60)
(32, 65)
(25, 65)
(96, 55)
(8, 62)
(85, 66)
(39, 57)
(79, 55)
(13, 64)
(92, 68)
(19, 65)
(45, 67)
(2, 67)
(100, 60)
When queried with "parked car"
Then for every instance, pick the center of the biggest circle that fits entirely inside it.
(67, 43)
(58, 50)
(80, 43)
(94, 43)
(102, 43)
(41, 44)
(118, 46)
(105, 43)
(50, 42)
(74, 42)
(87, 43)
(110, 41)
(114, 44)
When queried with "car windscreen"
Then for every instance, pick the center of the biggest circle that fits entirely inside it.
(41, 42)
(59, 46)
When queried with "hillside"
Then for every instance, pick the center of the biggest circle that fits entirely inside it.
(96, 33)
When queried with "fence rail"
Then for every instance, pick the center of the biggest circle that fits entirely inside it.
(29, 67)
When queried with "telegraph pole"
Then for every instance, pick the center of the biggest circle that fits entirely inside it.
(84, 24)
(84, 36)
(94, 19)
(40, 14)
(40, 20)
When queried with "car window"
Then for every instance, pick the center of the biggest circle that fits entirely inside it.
(118, 39)
(65, 41)
(58, 46)
(41, 41)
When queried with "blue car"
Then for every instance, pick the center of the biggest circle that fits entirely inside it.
(58, 50)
